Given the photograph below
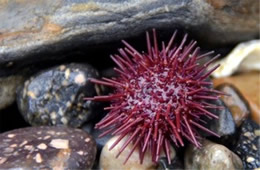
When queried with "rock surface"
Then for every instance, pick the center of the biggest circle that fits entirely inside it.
(236, 103)
(248, 145)
(224, 125)
(211, 156)
(46, 148)
(55, 96)
(249, 86)
(176, 164)
(47, 27)
(8, 87)
(108, 159)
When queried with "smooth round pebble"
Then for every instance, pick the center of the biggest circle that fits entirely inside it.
(108, 160)
(211, 156)
(47, 148)
(55, 96)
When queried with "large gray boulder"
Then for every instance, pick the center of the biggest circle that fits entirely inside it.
(32, 31)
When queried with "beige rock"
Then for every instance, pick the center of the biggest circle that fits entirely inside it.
(211, 156)
(244, 57)
(108, 159)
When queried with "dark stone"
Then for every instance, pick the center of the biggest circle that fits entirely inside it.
(49, 27)
(248, 145)
(55, 96)
(225, 125)
(236, 103)
(8, 87)
(46, 148)
(175, 164)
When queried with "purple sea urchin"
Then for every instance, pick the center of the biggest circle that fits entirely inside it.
(159, 97)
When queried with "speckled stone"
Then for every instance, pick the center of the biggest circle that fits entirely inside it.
(55, 96)
(236, 103)
(248, 145)
(108, 160)
(211, 156)
(47, 148)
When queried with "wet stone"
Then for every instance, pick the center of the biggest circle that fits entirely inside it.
(8, 87)
(224, 125)
(176, 164)
(236, 103)
(55, 96)
(47, 148)
(108, 160)
(211, 156)
(248, 145)
(49, 27)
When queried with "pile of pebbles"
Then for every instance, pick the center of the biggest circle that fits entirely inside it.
(63, 134)
(49, 53)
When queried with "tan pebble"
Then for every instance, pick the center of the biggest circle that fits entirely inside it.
(250, 159)
(51, 132)
(68, 104)
(60, 143)
(53, 115)
(62, 67)
(257, 132)
(28, 147)
(13, 145)
(248, 134)
(80, 152)
(87, 139)
(39, 132)
(42, 146)
(24, 143)
(64, 121)
(254, 147)
(67, 73)
(31, 94)
(38, 158)
(46, 137)
(2, 160)
(11, 135)
(80, 79)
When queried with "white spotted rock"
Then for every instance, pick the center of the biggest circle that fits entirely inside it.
(55, 96)
(108, 160)
(47, 148)
(211, 156)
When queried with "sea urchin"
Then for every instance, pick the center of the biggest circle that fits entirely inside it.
(159, 97)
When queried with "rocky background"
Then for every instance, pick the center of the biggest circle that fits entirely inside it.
(49, 49)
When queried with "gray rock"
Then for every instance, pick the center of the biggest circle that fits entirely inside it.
(248, 144)
(34, 31)
(46, 148)
(55, 96)
(225, 125)
(211, 156)
(8, 87)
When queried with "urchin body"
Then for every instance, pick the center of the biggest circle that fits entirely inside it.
(159, 97)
